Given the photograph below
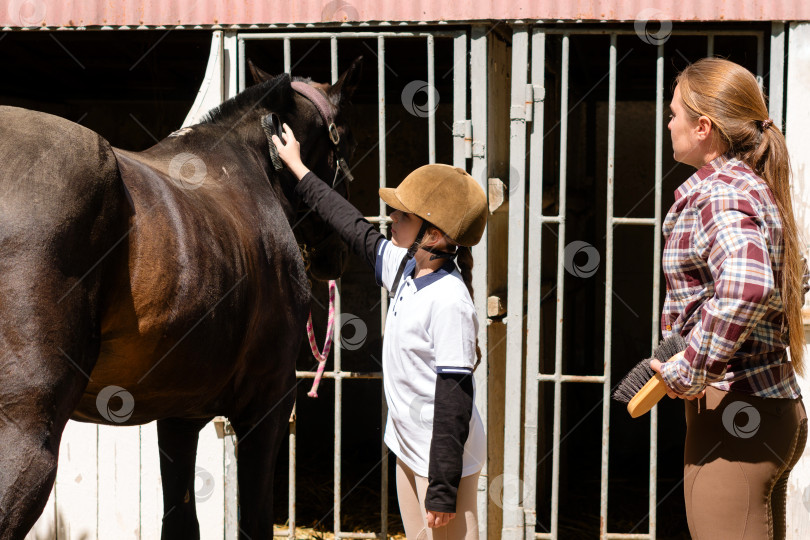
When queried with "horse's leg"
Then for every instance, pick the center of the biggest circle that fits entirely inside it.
(258, 443)
(49, 343)
(62, 207)
(177, 442)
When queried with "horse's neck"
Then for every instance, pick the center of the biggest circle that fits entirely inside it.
(235, 158)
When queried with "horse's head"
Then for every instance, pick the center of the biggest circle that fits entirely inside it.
(309, 117)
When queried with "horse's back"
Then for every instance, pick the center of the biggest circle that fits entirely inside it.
(53, 169)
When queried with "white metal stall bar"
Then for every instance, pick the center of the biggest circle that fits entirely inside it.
(461, 151)
(512, 515)
(533, 322)
(611, 176)
(475, 133)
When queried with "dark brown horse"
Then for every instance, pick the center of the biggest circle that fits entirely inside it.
(160, 285)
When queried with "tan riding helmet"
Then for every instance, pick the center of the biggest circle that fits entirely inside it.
(447, 197)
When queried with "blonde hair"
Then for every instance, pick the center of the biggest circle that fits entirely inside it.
(729, 95)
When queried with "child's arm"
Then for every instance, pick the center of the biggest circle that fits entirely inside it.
(340, 214)
(452, 412)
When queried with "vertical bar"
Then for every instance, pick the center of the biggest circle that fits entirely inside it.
(287, 62)
(533, 312)
(381, 114)
(512, 513)
(241, 55)
(459, 95)
(231, 481)
(478, 115)
(776, 90)
(611, 176)
(292, 476)
(710, 45)
(760, 58)
(383, 295)
(656, 315)
(333, 57)
(338, 410)
(431, 95)
(558, 335)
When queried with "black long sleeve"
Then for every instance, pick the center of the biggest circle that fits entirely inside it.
(452, 411)
(340, 214)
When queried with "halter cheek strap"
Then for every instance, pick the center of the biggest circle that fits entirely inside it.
(325, 109)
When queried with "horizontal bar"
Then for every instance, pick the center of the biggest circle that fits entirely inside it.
(606, 31)
(546, 377)
(633, 221)
(608, 535)
(340, 374)
(378, 219)
(286, 533)
(339, 35)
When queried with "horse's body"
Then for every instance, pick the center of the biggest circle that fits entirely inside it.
(174, 274)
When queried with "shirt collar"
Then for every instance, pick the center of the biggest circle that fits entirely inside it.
(423, 281)
(704, 172)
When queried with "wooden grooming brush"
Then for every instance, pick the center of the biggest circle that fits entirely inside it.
(642, 387)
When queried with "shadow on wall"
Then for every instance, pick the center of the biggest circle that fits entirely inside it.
(57, 529)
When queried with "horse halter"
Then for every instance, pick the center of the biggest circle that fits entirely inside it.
(318, 99)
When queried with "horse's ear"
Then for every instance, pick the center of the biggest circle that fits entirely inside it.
(259, 75)
(344, 88)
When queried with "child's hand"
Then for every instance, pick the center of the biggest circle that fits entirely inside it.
(438, 519)
(290, 152)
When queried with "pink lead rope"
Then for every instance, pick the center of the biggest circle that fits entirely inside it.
(321, 356)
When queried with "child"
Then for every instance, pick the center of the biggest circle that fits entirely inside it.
(430, 346)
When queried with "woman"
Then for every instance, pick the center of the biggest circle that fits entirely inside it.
(430, 346)
(734, 273)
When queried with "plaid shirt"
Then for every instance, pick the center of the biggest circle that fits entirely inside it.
(722, 262)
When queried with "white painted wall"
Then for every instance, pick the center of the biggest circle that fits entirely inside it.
(797, 126)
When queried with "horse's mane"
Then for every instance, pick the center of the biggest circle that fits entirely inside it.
(236, 107)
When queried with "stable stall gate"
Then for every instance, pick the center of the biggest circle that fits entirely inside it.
(462, 150)
(523, 376)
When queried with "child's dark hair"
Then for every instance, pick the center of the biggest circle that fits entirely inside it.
(464, 259)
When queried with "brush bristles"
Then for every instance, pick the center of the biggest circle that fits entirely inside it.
(269, 131)
(642, 372)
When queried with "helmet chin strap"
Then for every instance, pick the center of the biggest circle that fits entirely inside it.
(435, 253)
